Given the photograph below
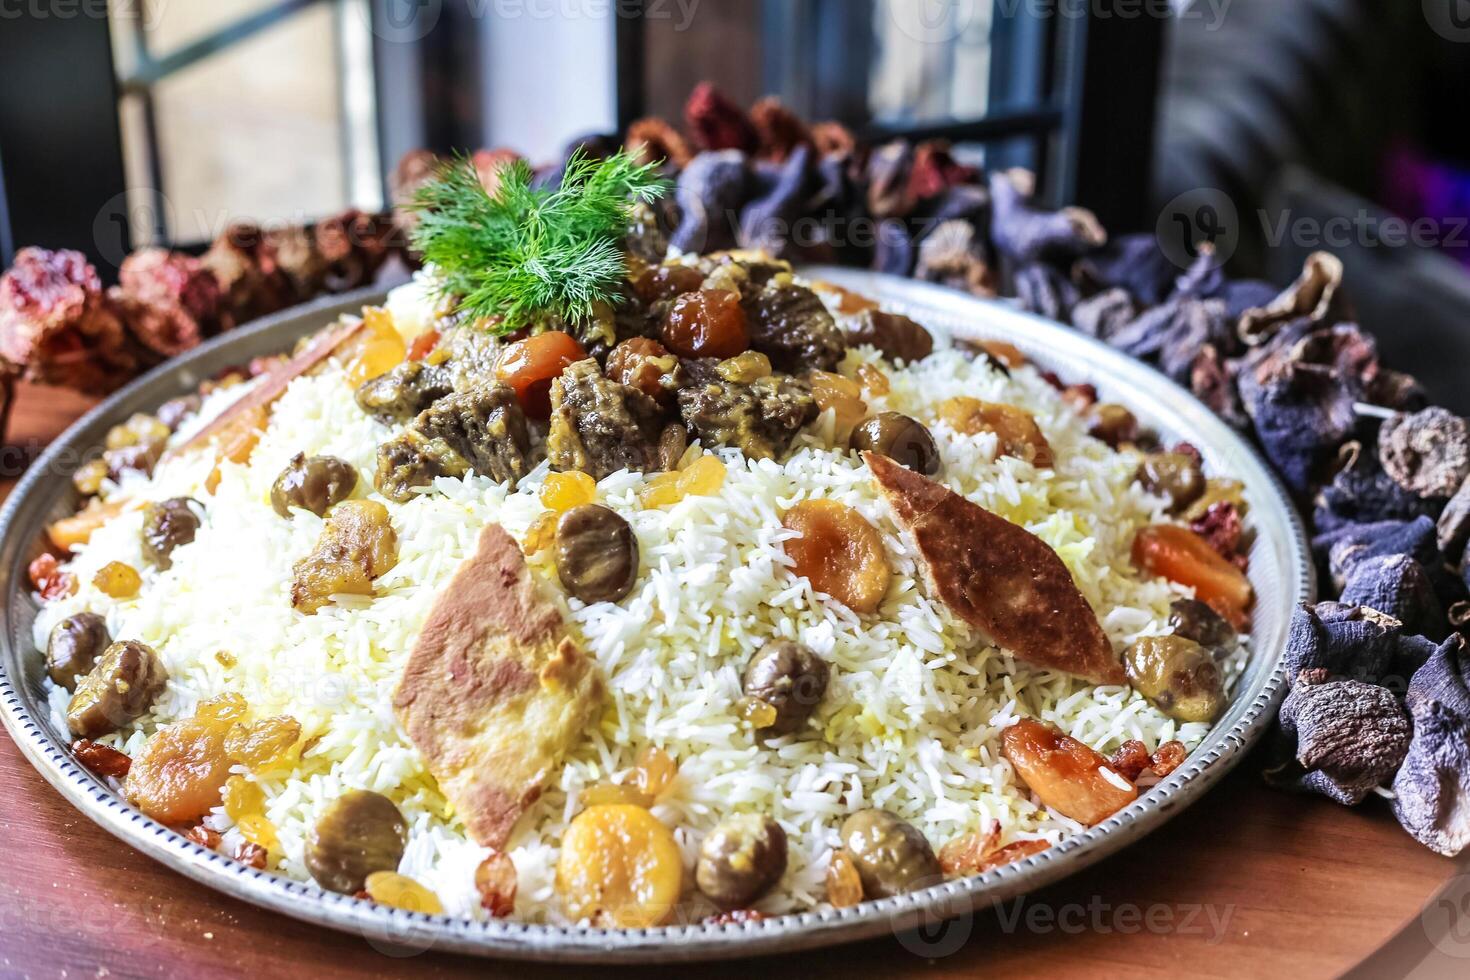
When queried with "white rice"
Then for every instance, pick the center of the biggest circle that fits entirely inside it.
(911, 721)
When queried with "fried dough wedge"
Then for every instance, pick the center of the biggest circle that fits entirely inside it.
(999, 577)
(496, 693)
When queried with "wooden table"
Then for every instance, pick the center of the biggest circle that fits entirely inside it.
(1249, 882)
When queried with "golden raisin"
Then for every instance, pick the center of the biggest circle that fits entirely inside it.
(605, 794)
(118, 580)
(541, 534)
(844, 884)
(619, 866)
(1016, 431)
(756, 713)
(265, 745)
(655, 771)
(702, 478)
(563, 491)
(402, 892)
(873, 380)
(1064, 774)
(839, 552)
(745, 368)
(496, 881)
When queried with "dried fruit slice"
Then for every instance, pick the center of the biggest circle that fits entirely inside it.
(839, 552)
(1180, 555)
(1066, 775)
(999, 577)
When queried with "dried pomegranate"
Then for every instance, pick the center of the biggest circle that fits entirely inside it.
(1064, 774)
(839, 552)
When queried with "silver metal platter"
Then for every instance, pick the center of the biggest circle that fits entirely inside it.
(1279, 569)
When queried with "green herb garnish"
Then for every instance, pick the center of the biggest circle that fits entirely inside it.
(524, 254)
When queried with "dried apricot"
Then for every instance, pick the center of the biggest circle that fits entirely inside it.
(606, 793)
(839, 552)
(357, 544)
(619, 867)
(843, 396)
(377, 349)
(1179, 555)
(1016, 431)
(402, 892)
(118, 580)
(1064, 774)
(180, 772)
(69, 532)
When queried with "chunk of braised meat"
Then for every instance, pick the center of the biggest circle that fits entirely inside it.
(471, 355)
(790, 325)
(896, 336)
(599, 426)
(409, 461)
(404, 391)
(647, 365)
(760, 418)
(485, 426)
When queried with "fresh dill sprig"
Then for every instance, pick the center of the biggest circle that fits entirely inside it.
(525, 253)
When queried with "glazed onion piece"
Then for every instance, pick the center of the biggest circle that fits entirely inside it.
(359, 833)
(892, 857)
(740, 860)
(73, 647)
(596, 554)
(1064, 774)
(1178, 675)
(117, 691)
(619, 867)
(1180, 555)
(312, 483)
(839, 552)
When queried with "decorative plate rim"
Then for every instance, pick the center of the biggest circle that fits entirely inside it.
(1049, 343)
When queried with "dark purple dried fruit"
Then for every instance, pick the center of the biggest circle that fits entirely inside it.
(1350, 736)
(1397, 586)
(1045, 290)
(716, 123)
(1427, 453)
(1349, 546)
(1024, 233)
(1362, 493)
(888, 181)
(1133, 263)
(1347, 641)
(768, 220)
(1104, 314)
(953, 256)
(895, 252)
(1301, 413)
(710, 193)
(1454, 524)
(1432, 789)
